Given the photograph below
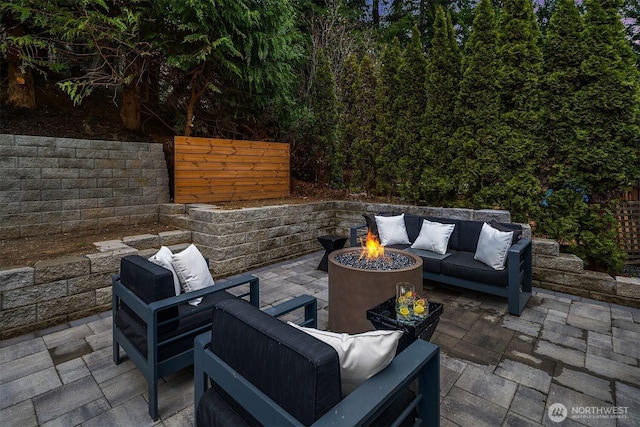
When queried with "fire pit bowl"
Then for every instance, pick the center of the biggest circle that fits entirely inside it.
(353, 291)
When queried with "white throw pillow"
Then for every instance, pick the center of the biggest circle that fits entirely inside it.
(192, 271)
(361, 355)
(493, 246)
(392, 230)
(434, 237)
(163, 258)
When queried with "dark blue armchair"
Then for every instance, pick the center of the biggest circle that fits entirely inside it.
(266, 372)
(155, 327)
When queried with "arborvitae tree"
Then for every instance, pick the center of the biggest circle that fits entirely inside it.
(607, 157)
(387, 90)
(563, 54)
(348, 125)
(441, 88)
(516, 187)
(363, 145)
(474, 145)
(410, 105)
(324, 107)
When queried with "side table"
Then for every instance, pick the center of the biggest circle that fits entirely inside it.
(330, 243)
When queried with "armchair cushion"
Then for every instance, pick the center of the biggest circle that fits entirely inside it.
(150, 283)
(299, 372)
(136, 330)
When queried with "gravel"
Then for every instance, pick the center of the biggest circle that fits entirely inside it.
(391, 261)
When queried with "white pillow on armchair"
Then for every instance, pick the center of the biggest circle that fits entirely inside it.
(192, 271)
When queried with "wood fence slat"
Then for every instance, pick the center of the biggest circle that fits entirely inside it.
(216, 170)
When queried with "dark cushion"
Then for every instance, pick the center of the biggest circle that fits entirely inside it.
(297, 371)
(213, 411)
(516, 228)
(191, 318)
(430, 260)
(469, 233)
(463, 266)
(149, 282)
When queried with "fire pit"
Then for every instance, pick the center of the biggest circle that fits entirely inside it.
(358, 282)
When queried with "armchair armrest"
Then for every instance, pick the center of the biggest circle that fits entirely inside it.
(421, 360)
(148, 312)
(353, 234)
(137, 305)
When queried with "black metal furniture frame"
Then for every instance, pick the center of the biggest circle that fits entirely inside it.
(420, 361)
(151, 367)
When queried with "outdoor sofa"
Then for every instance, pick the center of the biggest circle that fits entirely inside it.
(456, 261)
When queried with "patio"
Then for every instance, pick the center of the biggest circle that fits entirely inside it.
(496, 369)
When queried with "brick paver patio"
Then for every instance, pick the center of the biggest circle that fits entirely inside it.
(496, 369)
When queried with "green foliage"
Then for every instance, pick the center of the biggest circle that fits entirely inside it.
(606, 158)
(441, 89)
(387, 110)
(410, 104)
(521, 68)
(364, 144)
(563, 55)
(323, 137)
(587, 230)
(348, 126)
(476, 140)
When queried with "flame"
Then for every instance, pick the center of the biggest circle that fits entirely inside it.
(372, 249)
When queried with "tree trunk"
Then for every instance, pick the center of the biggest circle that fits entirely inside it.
(130, 110)
(21, 89)
(375, 9)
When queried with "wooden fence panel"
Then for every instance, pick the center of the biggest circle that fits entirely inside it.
(209, 170)
(628, 213)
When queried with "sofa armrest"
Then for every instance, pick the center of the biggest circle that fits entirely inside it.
(353, 234)
(421, 360)
(520, 246)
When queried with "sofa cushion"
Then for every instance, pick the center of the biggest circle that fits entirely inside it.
(469, 234)
(299, 372)
(492, 246)
(392, 230)
(463, 266)
(430, 260)
(434, 237)
(361, 355)
(516, 228)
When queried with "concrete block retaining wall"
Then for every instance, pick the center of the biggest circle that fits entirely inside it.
(565, 273)
(57, 185)
(57, 291)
